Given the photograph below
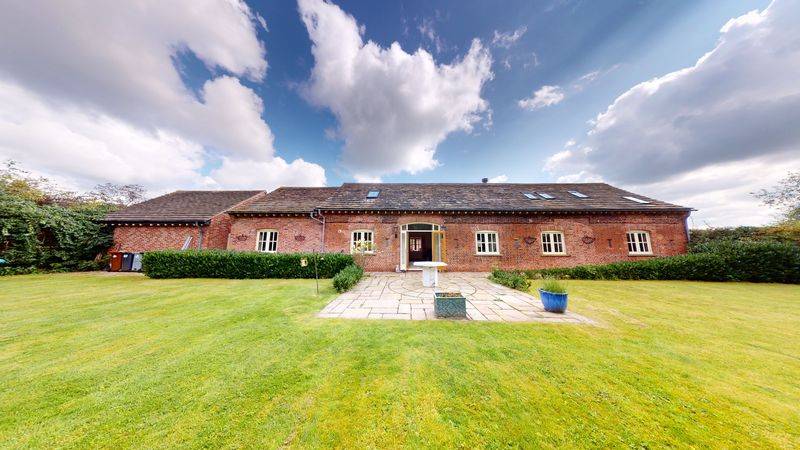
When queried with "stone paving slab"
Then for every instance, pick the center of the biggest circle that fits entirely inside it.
(401, 296)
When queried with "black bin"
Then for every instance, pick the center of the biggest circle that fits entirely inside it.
(127, 262)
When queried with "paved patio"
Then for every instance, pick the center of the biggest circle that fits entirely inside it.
(402, 296)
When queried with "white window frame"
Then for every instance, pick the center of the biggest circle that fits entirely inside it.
(636, 244)
(269, 244)
(483, 240)
(550, 243)
(361, 238)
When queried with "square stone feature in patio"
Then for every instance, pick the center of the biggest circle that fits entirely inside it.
(402, 296)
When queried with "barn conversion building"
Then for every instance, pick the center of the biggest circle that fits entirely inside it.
(472, 227)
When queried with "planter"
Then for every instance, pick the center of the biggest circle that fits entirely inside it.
(553, 302)
(450, 305)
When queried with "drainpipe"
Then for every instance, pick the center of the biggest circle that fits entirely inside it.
(199, 236)
(315, 214)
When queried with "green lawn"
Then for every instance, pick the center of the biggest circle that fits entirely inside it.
(91, 360)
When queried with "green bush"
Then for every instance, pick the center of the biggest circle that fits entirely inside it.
(514, 280)
(347, 278)
(241, 265)
(758, 261)
(722, 261)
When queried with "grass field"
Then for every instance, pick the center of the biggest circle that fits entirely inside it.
(91, 360)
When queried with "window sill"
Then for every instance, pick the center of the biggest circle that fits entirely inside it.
(640, 254)
(555, 254)
(488, 254)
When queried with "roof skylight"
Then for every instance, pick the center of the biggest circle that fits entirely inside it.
(545, 195)
(578, 194)
(635, 199)
(529, 195)
(373, 194)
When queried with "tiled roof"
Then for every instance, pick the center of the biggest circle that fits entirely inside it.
(456, 197)
(181, 206)
(289, 200)
(490, 197)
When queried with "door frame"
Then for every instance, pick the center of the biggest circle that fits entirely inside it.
(436, 250)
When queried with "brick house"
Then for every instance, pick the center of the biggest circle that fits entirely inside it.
(472, 227)
(182, 219)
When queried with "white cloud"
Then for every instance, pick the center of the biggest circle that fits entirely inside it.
(366, 178)
(545, 96)
(268, 174)
(115, 61)
(82, 149)
(506, 39)
(393, 108)
(427, 31)
(729, 121)
(498, 179)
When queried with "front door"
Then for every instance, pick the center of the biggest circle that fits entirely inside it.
(419, 247)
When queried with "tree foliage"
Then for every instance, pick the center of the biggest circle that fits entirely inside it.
(44, 227)
(786, 196)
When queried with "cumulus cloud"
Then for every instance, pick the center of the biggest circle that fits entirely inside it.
(393, 108)
(506, 39)
(737, 107)
(543, 97)
(111, 61)
(498, 179)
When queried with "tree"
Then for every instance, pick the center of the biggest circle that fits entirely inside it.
(118, 194)
(785, 196)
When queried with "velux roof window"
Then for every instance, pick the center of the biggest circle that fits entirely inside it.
(635, 199)
(373, 194)
(545, 195)
(578, 194)
(529, 195)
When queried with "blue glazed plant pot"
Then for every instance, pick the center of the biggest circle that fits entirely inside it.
(553, 302)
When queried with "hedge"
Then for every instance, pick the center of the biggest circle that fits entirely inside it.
(228, 264)
(729, 261)
(347, 278)
(514, 280)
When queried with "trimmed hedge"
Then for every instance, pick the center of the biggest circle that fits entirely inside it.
(514, 280)
(347, 278)
(764, 262)
(241, 265)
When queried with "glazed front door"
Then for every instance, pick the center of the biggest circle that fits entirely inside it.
(419, 247)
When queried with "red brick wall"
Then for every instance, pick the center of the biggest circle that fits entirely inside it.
(295, 234)
(147, 238)
(607, 233)
(589, 239)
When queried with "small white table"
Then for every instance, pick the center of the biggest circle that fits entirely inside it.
(430, 272)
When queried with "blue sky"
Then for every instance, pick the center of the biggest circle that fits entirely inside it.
(693, 102)
(628, 42)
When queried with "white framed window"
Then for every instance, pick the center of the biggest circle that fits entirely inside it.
(639, 243)
(486, 243)
(267, 241)
(553, 243)
(362, 240)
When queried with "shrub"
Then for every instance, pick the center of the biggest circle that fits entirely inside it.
(347, 278)
(514, 280)
(228, 264)
(553, 285)
(761, 262)
(722, 261)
